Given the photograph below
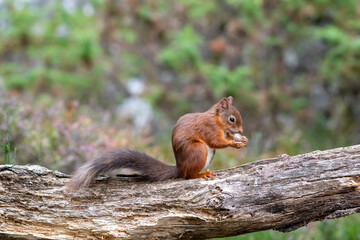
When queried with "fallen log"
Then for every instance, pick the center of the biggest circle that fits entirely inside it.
(282, 193)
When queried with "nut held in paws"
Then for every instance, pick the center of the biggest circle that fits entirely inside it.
(237, 137)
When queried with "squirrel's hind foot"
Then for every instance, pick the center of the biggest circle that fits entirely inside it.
(207, 175)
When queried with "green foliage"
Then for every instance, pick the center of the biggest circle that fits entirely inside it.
(132, 63)
(59, 49)
(226, 82)
(144, 12)
(183, 52)
(250, 13)
(128, 35)
(196, 9)
(298, 103)
(343, 58)
(7, 152)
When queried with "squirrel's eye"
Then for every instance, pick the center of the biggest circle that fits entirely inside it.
(232, 119)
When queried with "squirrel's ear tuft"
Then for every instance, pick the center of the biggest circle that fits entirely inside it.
(224, 103)
(230, 100)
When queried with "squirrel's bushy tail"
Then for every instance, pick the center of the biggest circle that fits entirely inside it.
(147, 166)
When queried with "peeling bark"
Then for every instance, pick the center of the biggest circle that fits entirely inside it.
(282, 193)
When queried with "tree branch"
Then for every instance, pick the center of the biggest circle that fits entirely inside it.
(282, 193)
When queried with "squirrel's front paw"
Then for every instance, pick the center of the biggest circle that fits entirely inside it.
(238, 144)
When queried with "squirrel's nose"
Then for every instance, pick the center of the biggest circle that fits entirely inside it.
(241, 129)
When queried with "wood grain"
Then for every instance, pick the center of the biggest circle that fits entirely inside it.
(282, 193)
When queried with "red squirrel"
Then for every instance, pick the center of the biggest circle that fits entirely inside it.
(194, 139)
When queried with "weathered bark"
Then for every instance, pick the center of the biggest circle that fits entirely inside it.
(282, 193)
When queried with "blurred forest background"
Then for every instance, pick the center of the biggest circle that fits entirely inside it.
(81, 77)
